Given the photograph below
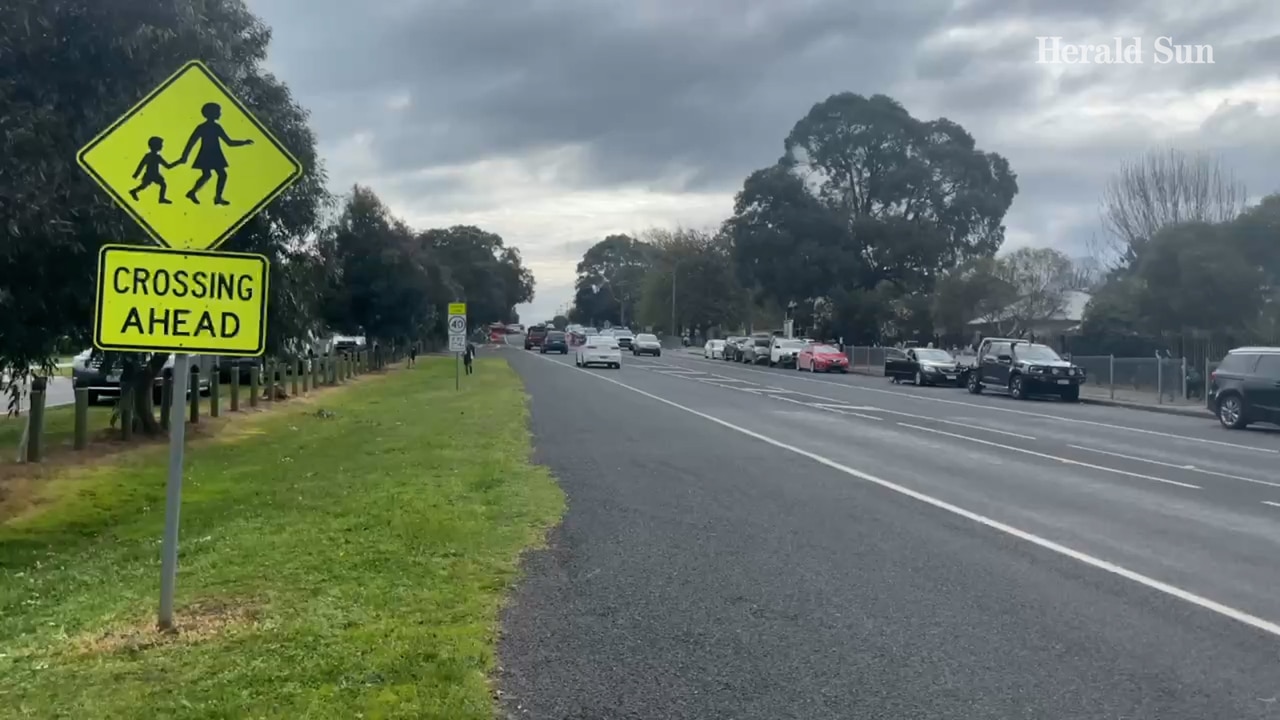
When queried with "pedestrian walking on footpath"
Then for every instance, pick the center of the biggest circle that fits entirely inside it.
(413, 354)
(468, 356)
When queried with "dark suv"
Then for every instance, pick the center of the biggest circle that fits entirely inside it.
(1023, 369)
(535, 336)
(1245, 388)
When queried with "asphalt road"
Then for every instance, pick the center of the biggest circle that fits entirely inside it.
(754, 543)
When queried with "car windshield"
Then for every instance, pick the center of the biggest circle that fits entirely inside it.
(825, 349)
(555, 335)
(717, 343)
(647, 338)
(764, 341)
(934, 355)
(1040, 353)
(790, 344)
(600, 342)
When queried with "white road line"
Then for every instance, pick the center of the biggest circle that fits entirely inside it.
(1191, 468)
(1272, 504)
(1046, 456)
(1027, 413)
(1200, 601)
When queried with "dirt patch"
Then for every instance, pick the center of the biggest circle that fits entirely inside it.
(199, 622)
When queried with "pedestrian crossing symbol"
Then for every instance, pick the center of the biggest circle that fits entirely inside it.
(189, 162)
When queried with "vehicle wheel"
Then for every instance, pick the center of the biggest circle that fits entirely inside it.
(919, 381)
(844, 370)
(973, 385)
(1231, 412)
(1071, 394)
(658, 354)
(894, 379)
(564, 352)
(543, 351)
(577, 361)
(812, 367)
(1016, 389)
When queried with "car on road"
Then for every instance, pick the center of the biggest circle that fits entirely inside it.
(923, 366)
(783, 351)
(535, 336)
(599, 350)
(1245, 387)
(555, 341)
(1022, 369)
(646, 344)
(755, 350)
(821, 357)
(624, 337)
(713, 350)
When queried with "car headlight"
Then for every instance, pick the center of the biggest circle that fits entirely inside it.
(1036, 369)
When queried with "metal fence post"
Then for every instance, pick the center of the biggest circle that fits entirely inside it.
(215, 385)
(253, 387)
(1182, 381)
(166, 399)
(35, 419)
(235, 388)
(193, 388)
(82, 417)
(1159, 380)
(1111, 374)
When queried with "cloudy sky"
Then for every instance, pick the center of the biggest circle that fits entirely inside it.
(557, 122)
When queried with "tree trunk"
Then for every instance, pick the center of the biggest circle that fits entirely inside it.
(143, 384)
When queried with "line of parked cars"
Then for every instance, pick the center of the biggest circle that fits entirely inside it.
(776, 351)
(1243, 389)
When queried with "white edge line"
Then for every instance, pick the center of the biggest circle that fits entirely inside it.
(1240, 616)
(1046, 456)
(1059, 418)
(1188, 468)
(1272, 504)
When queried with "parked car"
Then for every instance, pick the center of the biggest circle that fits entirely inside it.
(555, 341)
(783, 351)
(87, 372)
(1245, 387)
(923, 366)
(733, 348)
(820, 357)
(598, 350)
(535, 336)
(755, 350)
(646, 344)
(1023, 369)
(713, 350)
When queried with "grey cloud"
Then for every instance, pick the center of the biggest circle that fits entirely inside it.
(711, 87)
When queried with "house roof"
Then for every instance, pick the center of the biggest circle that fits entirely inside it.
(1072, 309)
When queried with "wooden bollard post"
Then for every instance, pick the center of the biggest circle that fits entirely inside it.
(166, 398)
(193, 388)
(295, 369)
(235, 388)
(82, 418)
(305, 372)
(215, 385)
(271, 380)
(35, 419)
(253, 386)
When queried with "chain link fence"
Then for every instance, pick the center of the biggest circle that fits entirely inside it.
(1153, 380)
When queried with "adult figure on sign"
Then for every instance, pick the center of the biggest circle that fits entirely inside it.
(210, 160)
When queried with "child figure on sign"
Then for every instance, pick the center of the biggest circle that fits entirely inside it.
(149, 169)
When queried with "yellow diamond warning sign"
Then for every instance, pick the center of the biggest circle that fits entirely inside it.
(158, 300)
(189, 162)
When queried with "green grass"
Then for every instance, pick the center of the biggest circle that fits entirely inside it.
(336, 566)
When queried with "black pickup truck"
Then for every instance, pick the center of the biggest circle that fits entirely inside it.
(1023, 369)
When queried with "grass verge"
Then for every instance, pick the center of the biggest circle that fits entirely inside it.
(342, 557)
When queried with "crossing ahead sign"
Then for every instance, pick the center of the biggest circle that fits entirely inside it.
(156, 300)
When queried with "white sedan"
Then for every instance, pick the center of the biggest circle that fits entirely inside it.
(598, 350)
(713, 350)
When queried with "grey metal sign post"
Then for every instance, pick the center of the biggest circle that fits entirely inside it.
(173, 488)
